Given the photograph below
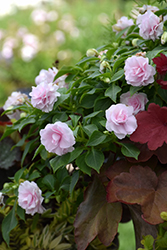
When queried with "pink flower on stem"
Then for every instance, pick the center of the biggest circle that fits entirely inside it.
(137, 101)
(57, 138)
(150, 26)
(16, 99)
(138, 72)
(44, 96)
(29, 198)
(120, 120)
(122, 23)
(48, 76)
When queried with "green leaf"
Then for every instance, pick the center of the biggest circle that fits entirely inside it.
(89, 129)
(8, 223)
(95, 159)
(129, 150)
(102, 103)
(163, 94)
(24, 122)
(49, 181)
(7, 132)
(96, 138)
(19, 174)
(67, 69)
(133, 89)
(21, 212)
(75, 119)
(112, 92)
(74, 180)
(59, 161)
(94, 75)
(38, 150)
(59, 116)
(80, 162)
(75, 153)
(21, 142)
(91, 115)
(118, 36)
(27, 149)
(119, 74)
(118, 62)
(34, 175)
(61, 98)
(148, 242)
(162, 241)
(87, 101)
(88, 59)
(153, 53)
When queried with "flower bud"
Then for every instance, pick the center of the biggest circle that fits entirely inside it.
(115, 45)
(92, 53)
(164, 38)
(106, 79)
(7, 186)
(163, 215)
(134, 42)
(23, 114)
(104, 65)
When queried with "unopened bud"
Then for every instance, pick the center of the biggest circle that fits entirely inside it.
(23, 114)
(106, 79)
(6, 185)
(134, 42)
(115, 45)
(164, 38)
(92, 53)
(104, 65)
(163, 215)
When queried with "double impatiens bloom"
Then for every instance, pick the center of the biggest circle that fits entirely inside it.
(30, 198)
(45, 94)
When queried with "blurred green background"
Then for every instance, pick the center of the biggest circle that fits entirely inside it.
(52, 33)
(57, 33)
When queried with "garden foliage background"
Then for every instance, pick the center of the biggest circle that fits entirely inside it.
(70, 28)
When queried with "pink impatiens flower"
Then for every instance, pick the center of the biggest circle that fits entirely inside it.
(137, 101)
(48, 76)
(30, 198)
(150, 26)
(138, 72)
(122, 23)
(16, 99)
(44, 96)
(57, 138)
(120, 120)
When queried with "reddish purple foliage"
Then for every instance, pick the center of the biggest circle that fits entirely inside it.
(152, 127)
(161, 64)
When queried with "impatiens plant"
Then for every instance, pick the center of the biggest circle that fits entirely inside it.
(95, 134)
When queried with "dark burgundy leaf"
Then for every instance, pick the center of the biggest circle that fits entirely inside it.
(141, 186)
(96, 217)
(152, 127)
